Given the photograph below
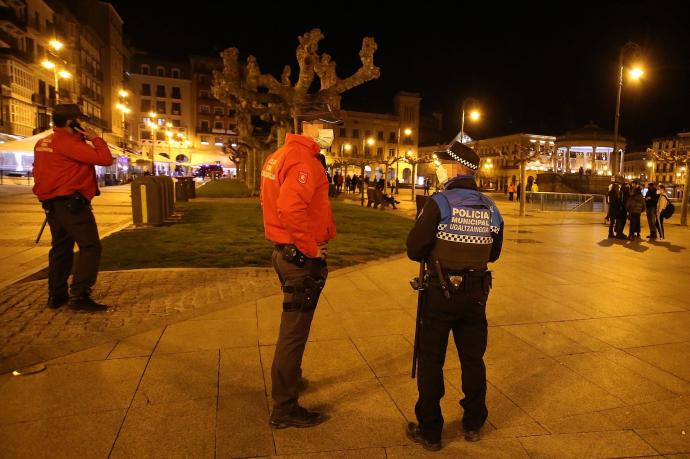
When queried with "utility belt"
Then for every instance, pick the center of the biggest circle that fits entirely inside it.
(457, 282)
(76, 202)
(305, 296)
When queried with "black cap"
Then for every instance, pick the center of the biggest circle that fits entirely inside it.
(69, 111)
(460, 153)
(317, 111)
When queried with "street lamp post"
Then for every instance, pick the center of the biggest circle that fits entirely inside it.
(408, 133)
(57, 74)
(56, 45)
(635, 74)
(474, 116)
(370, 141)
(153, 126)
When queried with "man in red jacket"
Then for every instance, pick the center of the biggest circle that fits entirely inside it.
(65, 183)
(298, 220)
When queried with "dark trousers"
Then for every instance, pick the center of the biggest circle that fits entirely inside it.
(635, 226)
(651, 221)
(465, 315)
(621, 220)
(66, 228)
(510, 195)
(660, 226)
(286, 371)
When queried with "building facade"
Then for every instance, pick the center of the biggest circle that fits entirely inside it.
(56, 52)
(378, 140)
(214, 122)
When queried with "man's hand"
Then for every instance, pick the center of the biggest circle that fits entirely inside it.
(89, 133)
(322, 251)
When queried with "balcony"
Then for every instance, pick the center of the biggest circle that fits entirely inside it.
(39, 99)
(9, 19)
(100, 122)
(89, 93)
(98, 74)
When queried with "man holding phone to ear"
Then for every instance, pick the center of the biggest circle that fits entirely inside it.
(65, 183)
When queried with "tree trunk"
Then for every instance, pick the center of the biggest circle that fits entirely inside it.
(684, 202)
(251, 171)
(523, 197)
(414, 180)
(281, 133)
(361, 179)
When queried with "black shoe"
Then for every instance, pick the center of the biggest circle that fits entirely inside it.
(611, 236)
(56, 301)
(86, 303)
(413, 433)
(298, 417)
(472, 435)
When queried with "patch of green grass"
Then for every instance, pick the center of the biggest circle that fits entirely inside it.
(223, 189)
(230, 234)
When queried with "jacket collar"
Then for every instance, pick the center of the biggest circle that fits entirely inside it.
(65, 131)
(303, 141)
(462, 181)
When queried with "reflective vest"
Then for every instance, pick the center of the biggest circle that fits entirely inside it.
(464, 233)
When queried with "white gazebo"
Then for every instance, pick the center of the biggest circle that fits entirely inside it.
(589, 148)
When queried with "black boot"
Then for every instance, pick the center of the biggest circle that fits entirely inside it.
(414, 433)
(86, 303)
(55, 301)
(297, 417)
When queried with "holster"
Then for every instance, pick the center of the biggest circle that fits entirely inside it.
(305, 297)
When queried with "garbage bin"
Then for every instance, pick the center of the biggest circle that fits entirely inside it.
(147, 201)
(190, 186)
(181, 191)
(168, 189)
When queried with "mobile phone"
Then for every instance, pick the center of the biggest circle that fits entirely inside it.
(77, 127)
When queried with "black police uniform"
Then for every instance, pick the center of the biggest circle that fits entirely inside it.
(460, 246)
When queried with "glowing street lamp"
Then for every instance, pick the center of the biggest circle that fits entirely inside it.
(634, 74)
(474, 116)
(56, 44)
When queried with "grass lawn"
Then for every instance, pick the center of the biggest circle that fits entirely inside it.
(230, 234)
(223, 189)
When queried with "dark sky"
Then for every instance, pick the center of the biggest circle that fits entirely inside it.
(534, 68)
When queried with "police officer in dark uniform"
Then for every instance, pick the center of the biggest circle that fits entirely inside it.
(456, 234)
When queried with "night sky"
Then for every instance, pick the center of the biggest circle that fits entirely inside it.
(534, 68)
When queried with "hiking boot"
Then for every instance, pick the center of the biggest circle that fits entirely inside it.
(86, 303)
(415, 434)
(56, 301)
(298, 417)
(472, 435)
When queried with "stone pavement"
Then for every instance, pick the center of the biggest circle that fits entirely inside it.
(589, 356)
(22, 219)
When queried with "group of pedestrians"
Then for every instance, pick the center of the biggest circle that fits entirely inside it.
(628, 201)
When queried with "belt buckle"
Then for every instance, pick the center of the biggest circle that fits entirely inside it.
(455, 281)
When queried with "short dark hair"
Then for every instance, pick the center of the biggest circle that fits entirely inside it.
(60, 120)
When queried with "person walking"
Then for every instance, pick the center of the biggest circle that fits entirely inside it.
(511, 190)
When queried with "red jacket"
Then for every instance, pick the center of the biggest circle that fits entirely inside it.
(294, 196)
(64, 165)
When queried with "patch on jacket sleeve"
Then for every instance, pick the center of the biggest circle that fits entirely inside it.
(302, 177)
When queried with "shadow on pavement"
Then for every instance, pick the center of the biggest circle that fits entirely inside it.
(635, 246)
(668, 245)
